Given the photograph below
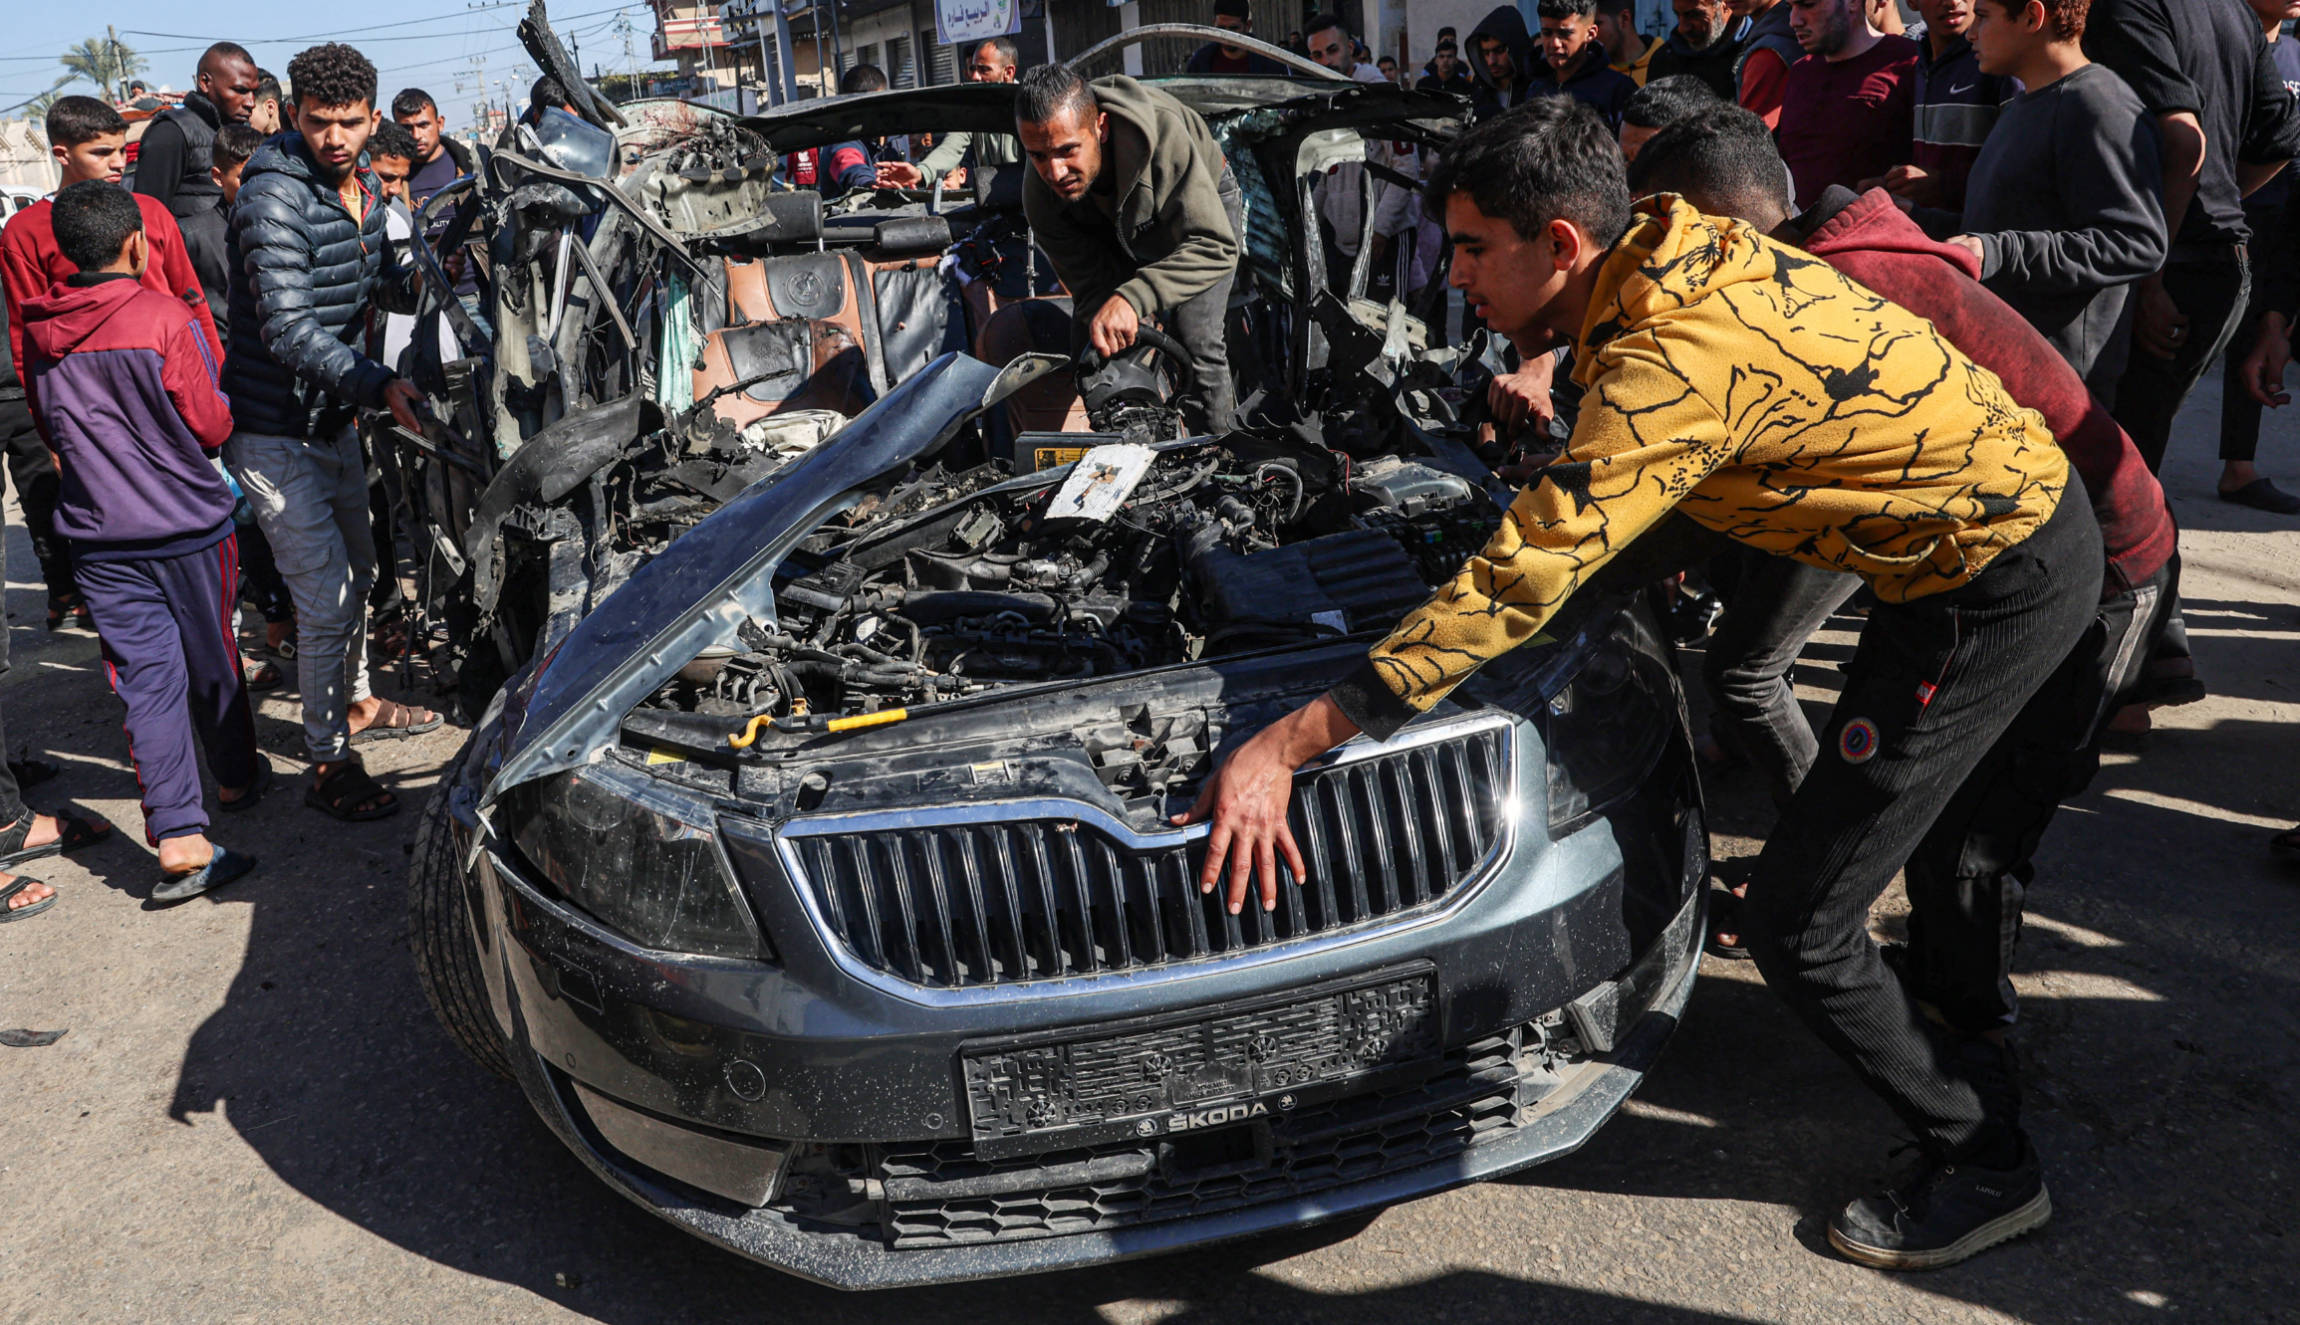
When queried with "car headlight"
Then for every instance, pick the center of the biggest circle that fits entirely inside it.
(636, 860)
(1608, 723)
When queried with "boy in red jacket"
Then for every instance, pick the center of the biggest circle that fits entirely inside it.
(124, 384)
(89, 140)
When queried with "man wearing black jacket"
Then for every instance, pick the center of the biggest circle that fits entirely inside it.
(172, 164)
(33, 470)
(1706, 43)
(309, 262)
(2226, 123)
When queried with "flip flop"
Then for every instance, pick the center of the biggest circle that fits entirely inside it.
(1725, 915)
(15, 886)
(254, 795)
(266, 676)
(72, 834)
(394, 721)
(348, 787)
(223, 867)
(2262, 495)
(69, 612)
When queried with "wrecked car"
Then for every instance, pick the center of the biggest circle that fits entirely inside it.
(840, 649)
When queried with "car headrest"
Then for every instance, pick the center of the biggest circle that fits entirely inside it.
(785, 218)
(998, 187)
(912, 236)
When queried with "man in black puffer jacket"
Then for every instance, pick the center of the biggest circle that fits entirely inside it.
(308, 263)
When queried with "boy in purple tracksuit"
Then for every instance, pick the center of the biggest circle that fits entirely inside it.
(126, 388)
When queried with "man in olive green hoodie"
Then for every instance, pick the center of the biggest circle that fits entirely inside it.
(1132, 200)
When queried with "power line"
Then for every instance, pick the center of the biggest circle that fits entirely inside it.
(348, 32)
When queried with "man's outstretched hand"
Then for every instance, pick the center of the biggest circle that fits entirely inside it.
(1247, 797)
(405, 403)
(1114, 326)
(899, 175)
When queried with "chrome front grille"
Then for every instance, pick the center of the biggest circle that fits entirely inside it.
(990, 895)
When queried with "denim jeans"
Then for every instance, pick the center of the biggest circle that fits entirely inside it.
(1775, 609)
(310, 497)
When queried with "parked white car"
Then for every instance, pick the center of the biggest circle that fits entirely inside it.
(14, 200)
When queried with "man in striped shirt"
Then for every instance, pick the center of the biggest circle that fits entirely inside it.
(1956, 106)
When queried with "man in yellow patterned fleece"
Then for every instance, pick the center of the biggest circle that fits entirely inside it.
(1754, 390)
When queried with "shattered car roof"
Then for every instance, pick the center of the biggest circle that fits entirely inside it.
(989, 107)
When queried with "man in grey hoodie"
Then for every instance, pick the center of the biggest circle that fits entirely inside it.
(1130, 197)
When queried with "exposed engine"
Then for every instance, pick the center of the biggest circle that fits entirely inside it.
(1134, 557)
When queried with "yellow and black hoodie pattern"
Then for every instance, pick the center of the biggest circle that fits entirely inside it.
(1766, 396)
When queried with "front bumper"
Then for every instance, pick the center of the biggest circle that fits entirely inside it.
(1559, 981)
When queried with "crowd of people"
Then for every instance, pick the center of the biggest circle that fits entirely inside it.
(1847, 310)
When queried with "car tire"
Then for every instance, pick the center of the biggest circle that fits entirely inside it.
(439, 935)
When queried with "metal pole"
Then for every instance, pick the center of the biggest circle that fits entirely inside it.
(783, 59)
(838, 57)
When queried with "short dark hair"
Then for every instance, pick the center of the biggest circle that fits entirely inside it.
(1234, 9)
(410, 101)
(1445, 32)
(1565, 9)
(547, 94)
(862, 78)
(1326, 19)
(391, 138)
(1664, 101)
(1005, 47)
(225, 51)
(268, 87)
(1549, 159)
(1726, 156)
(74, 120)
(234, 143)
(92, 219)
(332, 74)
(1616, 6)
(1054, 87)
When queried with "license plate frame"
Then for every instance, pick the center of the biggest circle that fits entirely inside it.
(1247, 1061)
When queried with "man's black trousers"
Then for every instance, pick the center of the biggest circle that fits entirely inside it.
(1941, 698)
(38, 486)
(2211, 288)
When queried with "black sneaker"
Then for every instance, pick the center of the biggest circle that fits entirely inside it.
(1942, 1213)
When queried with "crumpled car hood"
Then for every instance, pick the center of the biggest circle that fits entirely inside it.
(698, 590)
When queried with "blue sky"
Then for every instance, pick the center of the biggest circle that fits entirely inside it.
(426, 43)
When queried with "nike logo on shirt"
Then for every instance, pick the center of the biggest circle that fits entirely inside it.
(1955, 91)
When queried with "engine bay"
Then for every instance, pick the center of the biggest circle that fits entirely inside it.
(949, 584)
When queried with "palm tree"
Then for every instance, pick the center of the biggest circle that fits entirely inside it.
(104, 61)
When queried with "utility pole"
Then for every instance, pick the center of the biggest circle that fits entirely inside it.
(116, 89)
(630, 61)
